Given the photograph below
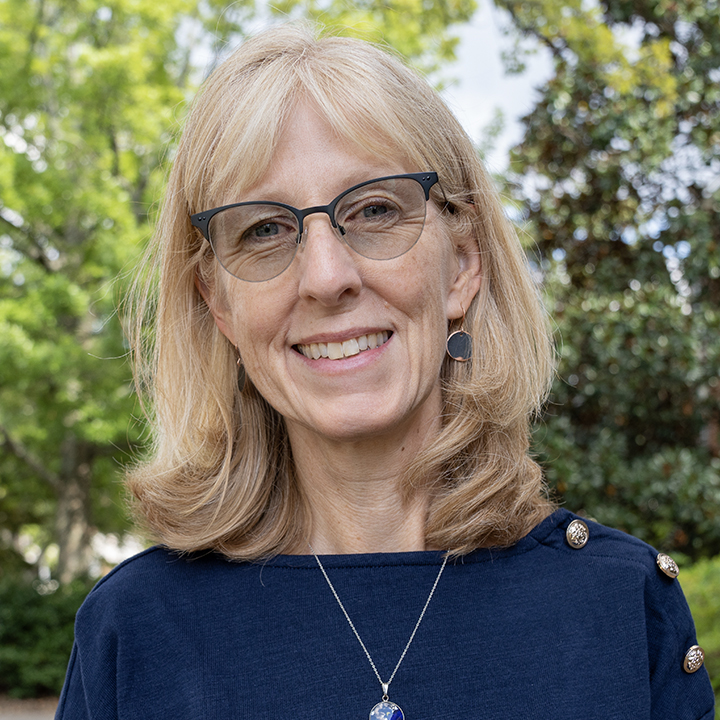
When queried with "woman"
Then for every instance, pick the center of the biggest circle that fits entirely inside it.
(347, 350)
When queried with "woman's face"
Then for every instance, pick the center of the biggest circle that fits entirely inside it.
(332, 295)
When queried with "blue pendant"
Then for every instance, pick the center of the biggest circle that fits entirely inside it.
(386, 710)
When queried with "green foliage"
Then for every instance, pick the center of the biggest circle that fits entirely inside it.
(618, 177)
(701, 584)
(79, 164)
(417, 29)
(36, 635)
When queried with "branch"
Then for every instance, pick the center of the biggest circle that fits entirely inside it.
(34, 34)
(22, 453)
(35, 252)
(536, 34)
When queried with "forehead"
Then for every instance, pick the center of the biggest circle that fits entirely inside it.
(312, 162)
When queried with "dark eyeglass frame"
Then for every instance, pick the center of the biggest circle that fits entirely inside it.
(202, 220)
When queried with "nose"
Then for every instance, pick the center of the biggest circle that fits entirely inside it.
(327, 266)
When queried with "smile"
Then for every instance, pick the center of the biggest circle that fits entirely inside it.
(338, 351)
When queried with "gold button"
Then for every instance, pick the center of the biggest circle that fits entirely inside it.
(694, 659)
(577, 534)
(667, 565)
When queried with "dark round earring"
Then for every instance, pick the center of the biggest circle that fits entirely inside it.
(241, 371)
(459, 344)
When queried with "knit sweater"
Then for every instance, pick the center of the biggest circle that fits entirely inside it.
(540, 630)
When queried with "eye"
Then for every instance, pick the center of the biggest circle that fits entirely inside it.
(373, 211)
(370, 212)
(265, 230)
(275, 230)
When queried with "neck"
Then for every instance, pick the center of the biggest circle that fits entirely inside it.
(355, 492)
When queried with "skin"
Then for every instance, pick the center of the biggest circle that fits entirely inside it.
(353, 423)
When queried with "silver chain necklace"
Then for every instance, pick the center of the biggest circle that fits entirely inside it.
(384, 710)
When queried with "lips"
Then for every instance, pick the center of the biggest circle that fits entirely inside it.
(348, 348)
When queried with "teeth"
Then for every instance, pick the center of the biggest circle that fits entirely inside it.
(350, 348)
(337, 351)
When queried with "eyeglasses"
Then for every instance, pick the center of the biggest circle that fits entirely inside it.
(379, 219)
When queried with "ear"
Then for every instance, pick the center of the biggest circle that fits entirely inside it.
(216, 306)
(468, 278)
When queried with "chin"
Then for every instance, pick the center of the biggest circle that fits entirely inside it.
(356, 432)
(377, 424)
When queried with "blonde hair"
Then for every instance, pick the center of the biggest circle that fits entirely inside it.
(220, 474)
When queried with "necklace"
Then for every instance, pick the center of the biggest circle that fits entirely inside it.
(384, 710)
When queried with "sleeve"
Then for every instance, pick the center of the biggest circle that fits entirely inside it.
(89, 692)
(680, 689)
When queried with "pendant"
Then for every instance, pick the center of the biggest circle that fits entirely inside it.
(386, 710)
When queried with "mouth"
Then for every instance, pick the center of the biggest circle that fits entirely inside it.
(348, 348)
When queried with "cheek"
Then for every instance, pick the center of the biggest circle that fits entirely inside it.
(424, 283)
(257, 321)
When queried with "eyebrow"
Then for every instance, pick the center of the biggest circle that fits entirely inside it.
(349, 180)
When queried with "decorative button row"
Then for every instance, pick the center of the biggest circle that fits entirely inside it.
(577, 534)
(694, 659)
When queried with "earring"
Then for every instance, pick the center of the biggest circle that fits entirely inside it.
(459, 344)
(241, 371)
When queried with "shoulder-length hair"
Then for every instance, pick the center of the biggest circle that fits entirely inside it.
(220, 474)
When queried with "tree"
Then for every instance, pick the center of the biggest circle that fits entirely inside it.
(91, 93)
(417, 29)
(86, 96)
(619, 177)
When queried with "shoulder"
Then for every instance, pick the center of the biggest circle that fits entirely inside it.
(612, 558)
(150, 566)
(570, 541)
(568, 532)
(613, 574)
(627, 582)
(141, 585)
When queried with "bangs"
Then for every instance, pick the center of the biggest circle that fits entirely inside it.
(368, 100)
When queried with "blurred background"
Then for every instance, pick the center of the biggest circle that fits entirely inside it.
(601, 124)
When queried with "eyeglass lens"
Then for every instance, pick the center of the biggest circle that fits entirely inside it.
(381, 220)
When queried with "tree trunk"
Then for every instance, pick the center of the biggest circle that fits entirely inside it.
(73, 530)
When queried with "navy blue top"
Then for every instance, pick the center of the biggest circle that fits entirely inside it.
(536, 631)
